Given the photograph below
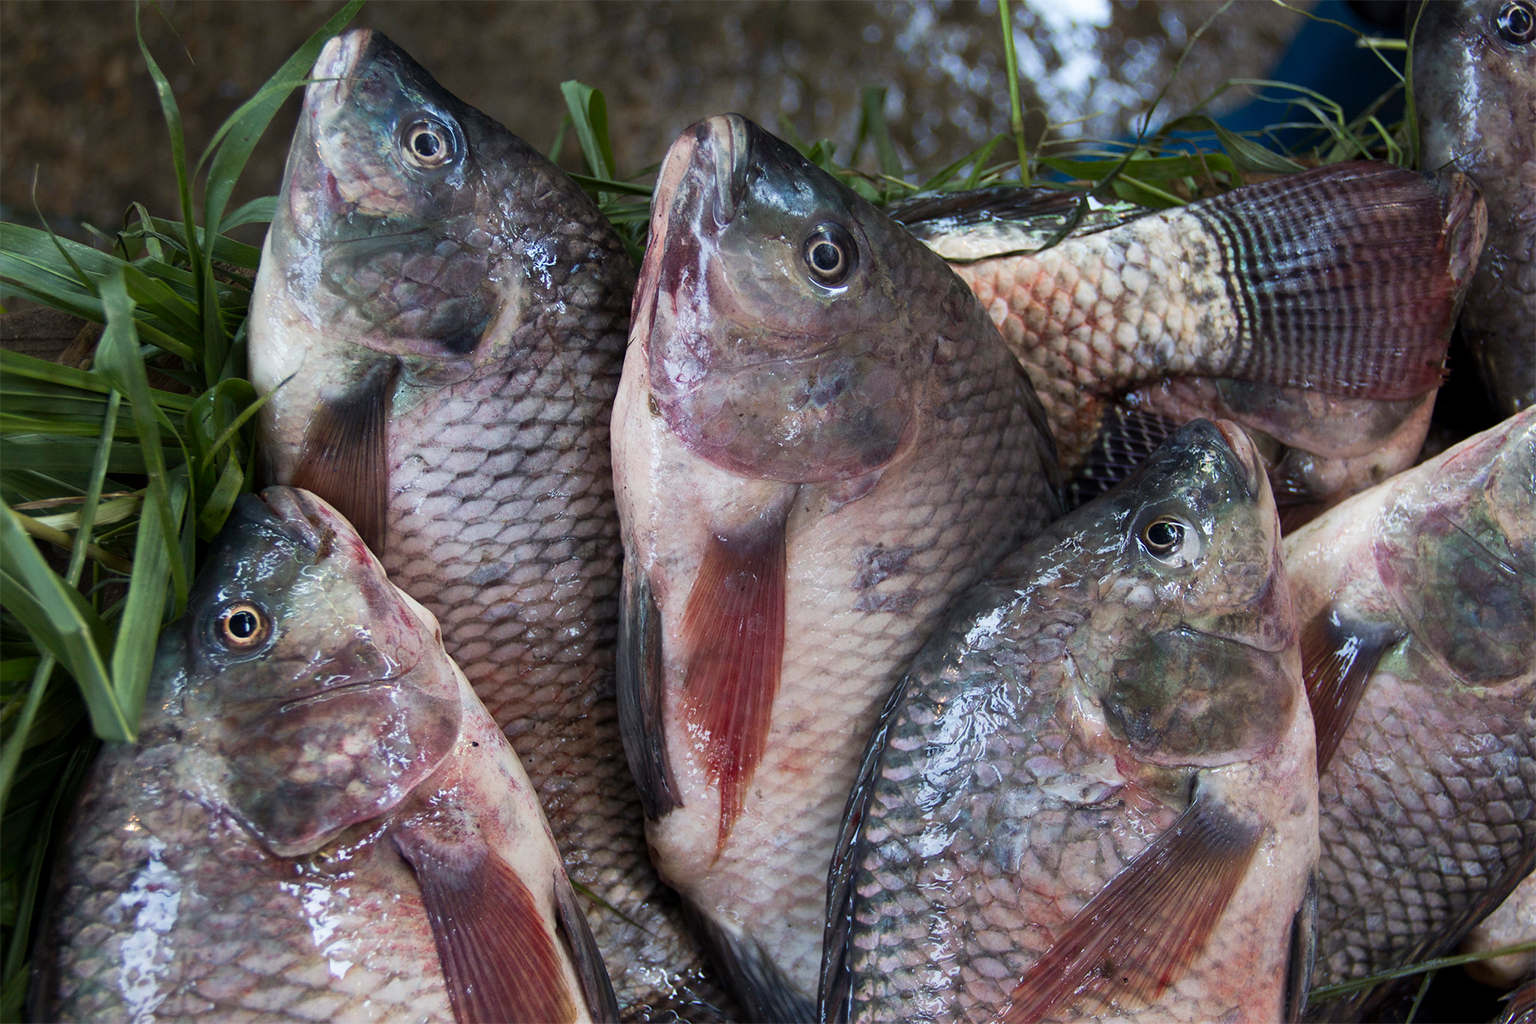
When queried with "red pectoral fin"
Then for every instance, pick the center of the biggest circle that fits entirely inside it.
(1338, 655)
(733, 631)
(499, 959)
(1140, 934)
(345, 459)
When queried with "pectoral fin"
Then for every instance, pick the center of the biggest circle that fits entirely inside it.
(499, 959)
(596, 985)
(345, 456)
(640, 685)
(1338, 654)
(1143, 930)
(765, 993)
(733, 631)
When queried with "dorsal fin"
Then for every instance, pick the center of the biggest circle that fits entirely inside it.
(345, 454)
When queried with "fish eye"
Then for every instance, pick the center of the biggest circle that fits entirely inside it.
(428, 144)
(830, 254)
(242, 626)
(1171, 540)
(1516, 22)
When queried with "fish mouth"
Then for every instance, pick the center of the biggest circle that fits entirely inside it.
(335, 70)
(331, 692)
(1246, 455)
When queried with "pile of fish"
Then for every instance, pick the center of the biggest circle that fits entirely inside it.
(892, 617)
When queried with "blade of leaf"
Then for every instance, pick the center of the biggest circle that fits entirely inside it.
(60, 623)
(143, 609)
(117, 359)
(589, 116)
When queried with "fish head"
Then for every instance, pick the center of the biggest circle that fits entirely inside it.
(1459, 556)
(1475, 85)
(396, 227)
(1184, 654)
(316, 692)
(787, 322)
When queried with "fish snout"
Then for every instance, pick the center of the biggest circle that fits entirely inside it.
(336, 69)
(1246, 455)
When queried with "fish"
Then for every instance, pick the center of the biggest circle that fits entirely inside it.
(1417, 605)
(438, 326)
(819, 439)
(1340, 282)
(1474, 91)
(1513, 923)
(319, 819)
(1094, 795)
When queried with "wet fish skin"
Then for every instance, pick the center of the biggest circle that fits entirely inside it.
(442, 346)
(1053, 728)
(1248, 286)
(892, 450)
(1474, 89)
(1319, 448)
(245, 857)
(1417, 599)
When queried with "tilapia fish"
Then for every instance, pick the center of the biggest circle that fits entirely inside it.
(319, 820)
(1094, 796)
(1513, 923)
(1474, 88)
(818, 440)
(440, 319)
(1341, 283)
(1417, 603)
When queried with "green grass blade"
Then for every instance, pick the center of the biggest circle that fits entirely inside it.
(589, 116)
(1015, 107)
(257, 211)
(872, 125)
(21, 732)
(144, 608)
(118, 359)
(61, 624)
(172, 114)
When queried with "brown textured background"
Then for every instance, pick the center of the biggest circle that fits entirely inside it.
(77, 105)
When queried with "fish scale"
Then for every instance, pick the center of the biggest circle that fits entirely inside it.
(1424, 584)
(851, 455)
(498, 299)
(999, 800)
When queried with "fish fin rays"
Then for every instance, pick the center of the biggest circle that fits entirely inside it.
(733, 632)
(763, 990)
(1345, 278)
(596, 985)
(641, 686)
(499, 960)
(345, 455)
(1302, 954)
(1125, 439)
(1338, 655)
(836, 987)
(1142, 932)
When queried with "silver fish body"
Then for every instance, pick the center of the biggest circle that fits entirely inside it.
(1417, 601)
(439, 320)
(1094, 794)
(818, 440)
(1474, 89)
(312, 770)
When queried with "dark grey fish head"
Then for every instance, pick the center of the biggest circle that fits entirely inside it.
(411, 223)
(789, 323)
(1459, 556)
(314, 696)
(1188, 614)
